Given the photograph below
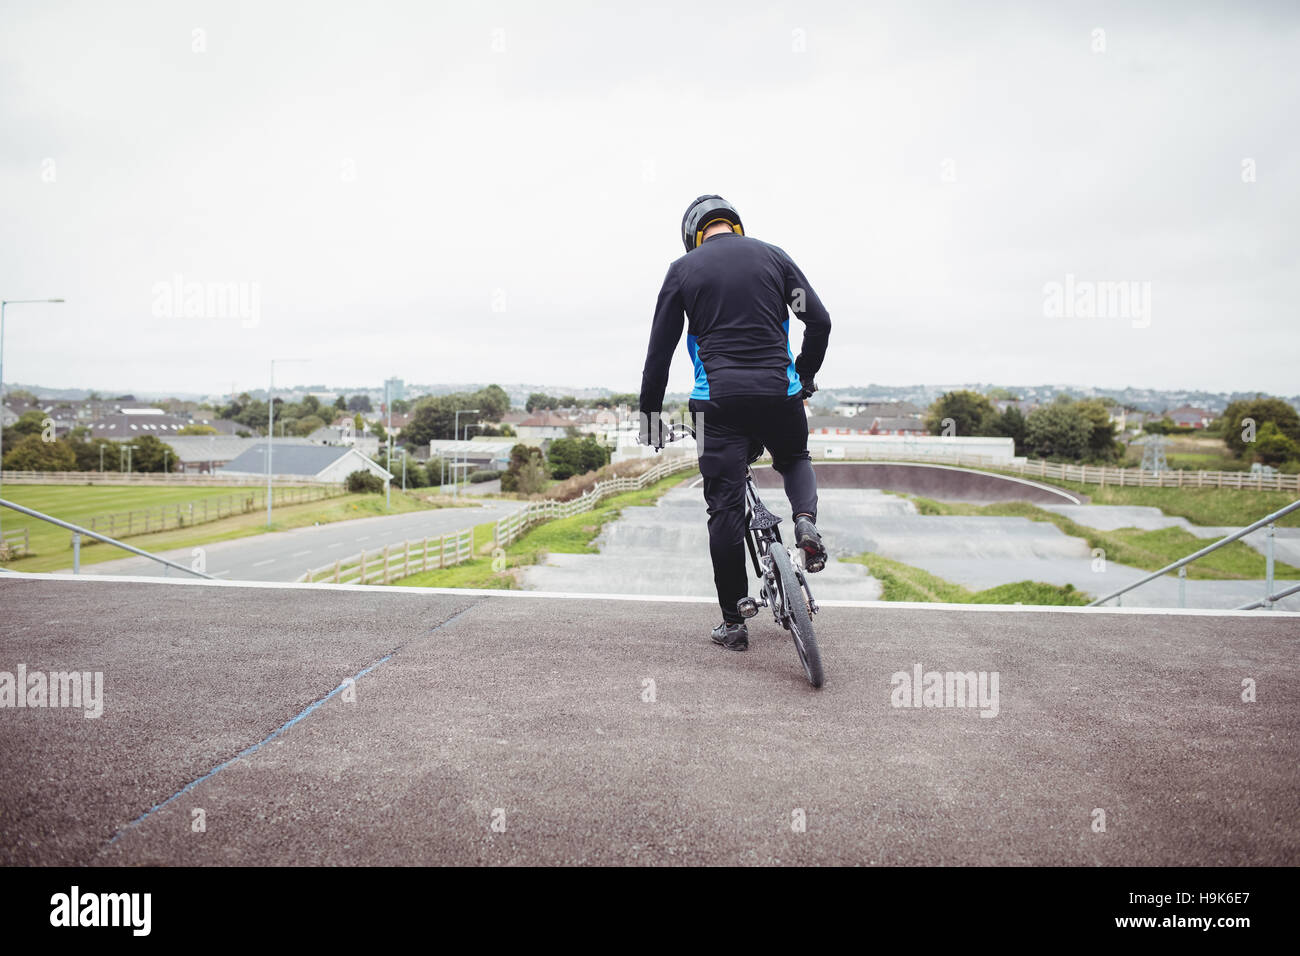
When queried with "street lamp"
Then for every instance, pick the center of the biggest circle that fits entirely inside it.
(3, 304)
(455, 434)
(270, 432)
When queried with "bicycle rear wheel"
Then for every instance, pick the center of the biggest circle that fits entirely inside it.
(799, 620)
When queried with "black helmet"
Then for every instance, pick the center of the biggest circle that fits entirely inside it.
(703, 213)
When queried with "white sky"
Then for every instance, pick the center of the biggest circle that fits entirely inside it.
(557, 171)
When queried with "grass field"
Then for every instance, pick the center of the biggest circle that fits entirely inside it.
(902, 582)
(1148, 550)
(1215, 507)
(51, 546)
(572, 535)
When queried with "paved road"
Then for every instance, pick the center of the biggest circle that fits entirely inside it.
(285, 555)
(534, 712)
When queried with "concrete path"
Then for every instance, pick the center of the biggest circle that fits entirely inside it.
(516, 729)
(664, 550)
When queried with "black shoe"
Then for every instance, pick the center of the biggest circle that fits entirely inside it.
(734, 637)
(809, 540)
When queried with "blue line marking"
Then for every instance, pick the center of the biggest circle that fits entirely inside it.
(254, 748)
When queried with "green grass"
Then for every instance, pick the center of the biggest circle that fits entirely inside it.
(1148, 550)
(1201, 506)
(902, 582)
(51, 546)
(573, 535)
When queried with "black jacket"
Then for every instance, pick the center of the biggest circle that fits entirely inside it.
(735, 291)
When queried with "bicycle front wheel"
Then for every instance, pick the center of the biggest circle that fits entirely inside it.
(797, 617)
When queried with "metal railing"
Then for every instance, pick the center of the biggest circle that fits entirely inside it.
(1181, 565)
(77, 531)
(396, 561)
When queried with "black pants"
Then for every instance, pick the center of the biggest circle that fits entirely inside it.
(732, 427)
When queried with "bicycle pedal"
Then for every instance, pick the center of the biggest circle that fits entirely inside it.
(747, 607)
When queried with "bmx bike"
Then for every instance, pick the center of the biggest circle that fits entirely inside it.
(784, 586)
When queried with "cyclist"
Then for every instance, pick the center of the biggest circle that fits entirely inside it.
(735, 291)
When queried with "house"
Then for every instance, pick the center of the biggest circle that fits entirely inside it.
(204, 454)
(1188, 416)
(905, 425)
(851, 404)
(838, 425)
(484, 453)
(544, 425)
(134, 423)
(314, 462)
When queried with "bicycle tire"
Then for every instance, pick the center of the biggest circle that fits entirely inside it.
(799, 620)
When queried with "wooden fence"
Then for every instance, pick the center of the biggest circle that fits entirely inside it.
(1169, 478)
(147, 478)
(411, 557)
(1101, 475)
(397, 561)
(183, 514)
(513, 525)
(14, 544)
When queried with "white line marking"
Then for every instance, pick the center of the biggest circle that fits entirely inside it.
(299, 554)
(258, 564)
(650, 598)
(365, 538)
(337, 544)
(220, 574)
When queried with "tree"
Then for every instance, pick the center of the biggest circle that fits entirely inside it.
(341, 404)
(1058, 430)
(540, 400)
(197, 430)
(31, 422)
(1011, 424)
(1260, 410)
(364, 482)
(1101, 441)
(565, 458)
(34, 454)
(527, 470)
(971, 412)
(88, 458)
(360, 403)
(1273, 447)
(152, 454)
(594, 454)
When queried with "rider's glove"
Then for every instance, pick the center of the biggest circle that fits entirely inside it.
(808, 389)
(652, 431)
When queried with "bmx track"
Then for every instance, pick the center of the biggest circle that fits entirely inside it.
(506, 727)
(930, 481)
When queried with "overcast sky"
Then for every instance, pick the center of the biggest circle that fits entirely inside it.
(492, 191)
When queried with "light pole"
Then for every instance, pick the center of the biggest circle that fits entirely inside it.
(270, 432)
(388, 441)
(455, 434)
(467, 428)
(3, 304)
